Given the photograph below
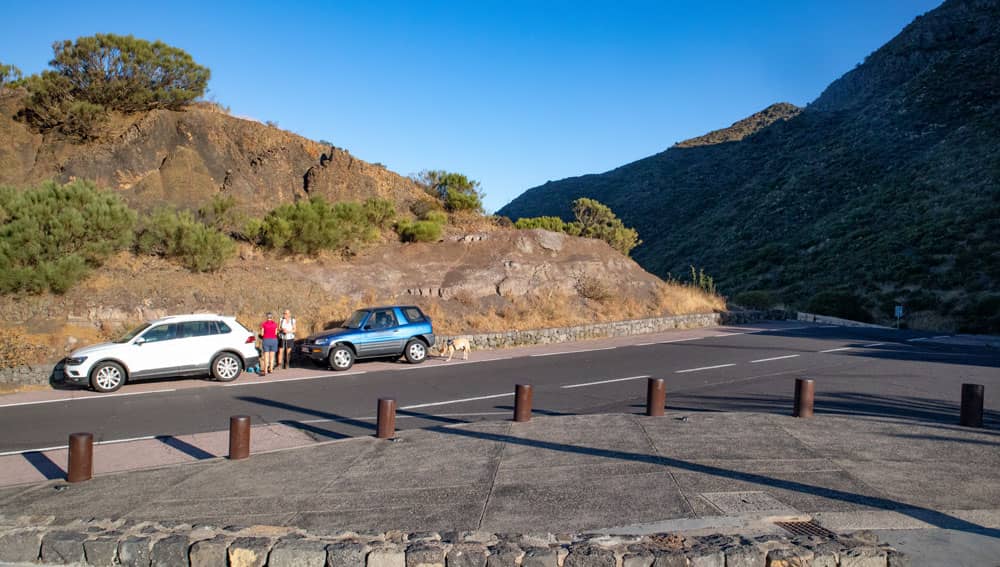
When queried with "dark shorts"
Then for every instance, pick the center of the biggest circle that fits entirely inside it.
(270, 345)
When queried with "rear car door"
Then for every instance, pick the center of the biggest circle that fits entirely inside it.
(199, 341)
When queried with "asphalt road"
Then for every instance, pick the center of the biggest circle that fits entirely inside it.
(857, 371)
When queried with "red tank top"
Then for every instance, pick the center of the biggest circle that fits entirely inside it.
(270, 329)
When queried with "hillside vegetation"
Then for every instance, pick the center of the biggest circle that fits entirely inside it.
(883, 191)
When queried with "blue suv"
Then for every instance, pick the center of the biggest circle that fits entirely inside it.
(373, 332)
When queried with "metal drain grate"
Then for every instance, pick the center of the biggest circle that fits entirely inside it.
(805, 528)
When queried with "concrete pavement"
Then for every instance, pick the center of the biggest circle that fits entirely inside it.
(616, 472)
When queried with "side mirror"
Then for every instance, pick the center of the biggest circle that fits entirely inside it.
(139, 341)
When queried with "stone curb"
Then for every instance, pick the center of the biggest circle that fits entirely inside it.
(36, 540)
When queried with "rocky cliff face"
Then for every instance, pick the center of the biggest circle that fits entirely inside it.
(184, 158)
(886, 188)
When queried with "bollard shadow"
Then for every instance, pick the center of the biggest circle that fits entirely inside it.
(431, 417)
(314, 429)
(49, 469)
(924, 410)
(184, 447)
(933, 517)
(332, 417)
(537, 411)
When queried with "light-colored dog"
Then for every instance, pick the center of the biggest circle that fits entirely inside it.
(459, 343)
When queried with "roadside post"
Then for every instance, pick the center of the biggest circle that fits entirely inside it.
(805, 392)
(899, 314)
(522, 402)
(656, 397)
(80, 466)
(239, 437)
(386, 424)
(972, 405)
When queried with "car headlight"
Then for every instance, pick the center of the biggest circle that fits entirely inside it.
(75, 361)
(323, 340)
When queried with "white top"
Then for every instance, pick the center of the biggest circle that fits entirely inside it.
(287, 328)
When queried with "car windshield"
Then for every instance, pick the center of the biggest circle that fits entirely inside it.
(355, 320)
(131, 334)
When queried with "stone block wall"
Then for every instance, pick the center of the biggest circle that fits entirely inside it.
(104, 542)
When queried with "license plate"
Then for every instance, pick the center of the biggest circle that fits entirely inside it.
(305, 350)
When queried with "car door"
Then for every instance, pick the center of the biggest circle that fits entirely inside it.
(154, 352)
(382, 334)
(198, 343)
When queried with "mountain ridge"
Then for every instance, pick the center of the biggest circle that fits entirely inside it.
(886, 189)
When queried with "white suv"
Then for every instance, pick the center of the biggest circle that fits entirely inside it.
(181, 345)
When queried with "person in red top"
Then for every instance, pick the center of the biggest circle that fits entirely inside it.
(269, 334)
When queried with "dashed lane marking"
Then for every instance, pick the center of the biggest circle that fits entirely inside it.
(873, 345)
(477, 398)
(773, 358)
(704, 368)
(836, 349)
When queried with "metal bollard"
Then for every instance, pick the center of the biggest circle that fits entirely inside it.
(239, 437)
(386, 428)
(656, 396)
(81, 457)
(522, 402)
(805, 392)
(972, 405)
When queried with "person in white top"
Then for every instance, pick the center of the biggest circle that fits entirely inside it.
(286, 330)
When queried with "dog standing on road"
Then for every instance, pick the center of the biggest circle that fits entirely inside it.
(456, 344)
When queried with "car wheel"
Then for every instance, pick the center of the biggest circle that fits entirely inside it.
(107, 377)
(415, 351)
(341, 358)
(226, 367)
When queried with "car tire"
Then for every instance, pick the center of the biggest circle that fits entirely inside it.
(415, 351)
(226, 367)
(107, 377)
(341, 358)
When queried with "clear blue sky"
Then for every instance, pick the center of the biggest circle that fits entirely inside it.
(511, 93)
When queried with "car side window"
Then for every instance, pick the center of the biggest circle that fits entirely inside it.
(382, 319)
(413, 315)
(223, 328)
(161, 333)
(189, 329)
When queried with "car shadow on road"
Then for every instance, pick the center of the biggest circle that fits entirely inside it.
(927, 515)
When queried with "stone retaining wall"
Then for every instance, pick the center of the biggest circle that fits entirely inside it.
(103, 542)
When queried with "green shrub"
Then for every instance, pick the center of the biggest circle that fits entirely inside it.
(307, 227)
(52, 234)
(755, 299)
(423, 206)
(554, 224)
(455, 191)
(93, 75)
(597, 221)
(702, 280)
(179, 235)
(9, 74)
(419, 231)
(439, 217)
(380, 212)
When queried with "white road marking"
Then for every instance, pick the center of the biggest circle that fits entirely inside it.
(571, 351)
(58, 447)
(569, 386)
(773, 358)
(477, 398)
(680, 340)
(836, 349)
(873, 345)
(916, 340)
(354, 373)
(941, 337)
(93, 397)
(704, 368)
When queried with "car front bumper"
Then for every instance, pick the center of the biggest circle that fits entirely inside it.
(314, 351)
